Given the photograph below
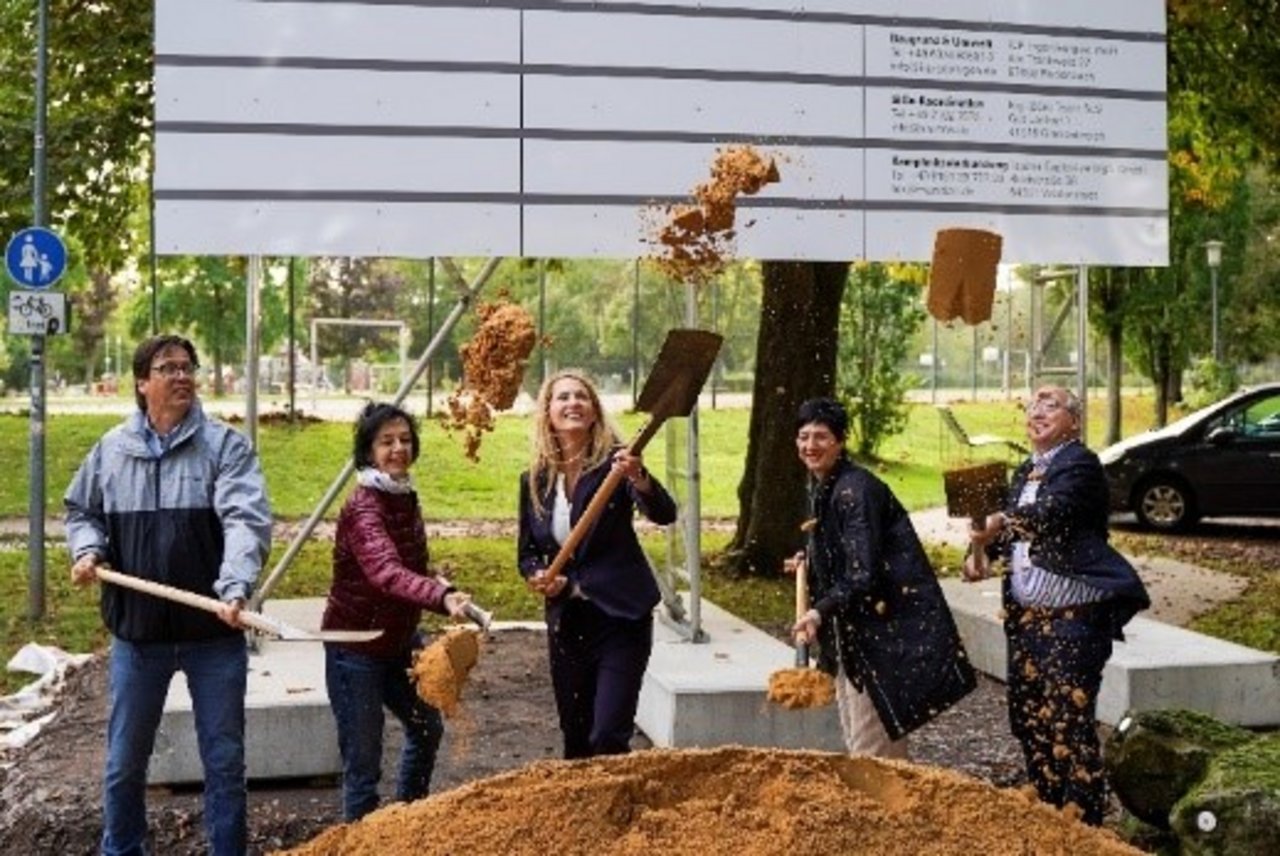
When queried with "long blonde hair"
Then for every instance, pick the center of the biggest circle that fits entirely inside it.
(547, 458)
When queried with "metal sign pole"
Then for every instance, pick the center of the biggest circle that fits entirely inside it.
(35, 510)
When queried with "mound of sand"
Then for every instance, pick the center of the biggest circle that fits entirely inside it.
(730, 800)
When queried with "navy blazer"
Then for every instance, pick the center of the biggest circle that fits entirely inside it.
(608, 565)
(1067, 528)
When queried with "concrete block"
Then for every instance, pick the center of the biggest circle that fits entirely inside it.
(289, 729)
(713, 693)
(1158, 666)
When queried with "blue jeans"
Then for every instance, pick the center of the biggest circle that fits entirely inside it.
(216, 672)
(359, 686)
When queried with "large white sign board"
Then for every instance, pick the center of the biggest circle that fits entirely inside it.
(543, 128)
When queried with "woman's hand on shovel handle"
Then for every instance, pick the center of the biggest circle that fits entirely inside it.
(539, 583)
(806, 628)
(455, 603)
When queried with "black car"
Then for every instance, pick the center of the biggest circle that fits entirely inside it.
(1221, 460)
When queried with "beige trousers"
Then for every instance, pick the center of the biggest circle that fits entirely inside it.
(864, 734)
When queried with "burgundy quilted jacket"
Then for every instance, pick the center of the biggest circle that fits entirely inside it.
(380, 576)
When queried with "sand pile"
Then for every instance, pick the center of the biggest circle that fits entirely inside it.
(696, 241)
(732, 800)
(493, 364)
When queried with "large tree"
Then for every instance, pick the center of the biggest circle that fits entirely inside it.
(795, 360)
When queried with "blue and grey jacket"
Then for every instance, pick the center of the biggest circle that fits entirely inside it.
(196, 518)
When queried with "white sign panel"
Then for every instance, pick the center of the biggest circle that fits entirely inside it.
(544, 128)
(37, 313)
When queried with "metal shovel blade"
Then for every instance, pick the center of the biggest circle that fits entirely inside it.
(679, 373)
(286, 632)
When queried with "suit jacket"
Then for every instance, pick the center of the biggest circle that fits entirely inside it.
(1067, 529)
(608, 565)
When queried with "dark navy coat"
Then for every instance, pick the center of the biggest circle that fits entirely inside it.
(1067, 529)
(608, 565)
(884, 617)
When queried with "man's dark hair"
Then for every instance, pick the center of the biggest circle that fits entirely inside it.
(824, 411)
(147, 351)
(370, 422)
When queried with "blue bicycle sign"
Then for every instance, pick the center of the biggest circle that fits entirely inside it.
(35, 257)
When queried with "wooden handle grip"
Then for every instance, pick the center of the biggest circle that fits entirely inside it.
(184, 597)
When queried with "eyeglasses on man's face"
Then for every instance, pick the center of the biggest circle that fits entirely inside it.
(172, 370)
(1047, 406)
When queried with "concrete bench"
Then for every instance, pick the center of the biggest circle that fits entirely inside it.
(694, 695)
(289, 729)
(1157, 666)
(713, 693)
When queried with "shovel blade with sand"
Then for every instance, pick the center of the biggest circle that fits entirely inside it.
(440, 670)
(801, 687)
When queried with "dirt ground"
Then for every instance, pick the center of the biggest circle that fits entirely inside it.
(50, 790)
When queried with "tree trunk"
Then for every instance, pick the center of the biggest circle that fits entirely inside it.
(1115, 375)
(795, 361)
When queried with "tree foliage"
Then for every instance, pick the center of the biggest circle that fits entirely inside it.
(878, 317)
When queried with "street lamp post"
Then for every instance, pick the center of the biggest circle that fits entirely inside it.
(1213, 255)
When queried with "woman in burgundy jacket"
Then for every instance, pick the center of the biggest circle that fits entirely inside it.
(381, 581)
(600, 610)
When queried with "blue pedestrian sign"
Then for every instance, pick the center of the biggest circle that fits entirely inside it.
(35, 257)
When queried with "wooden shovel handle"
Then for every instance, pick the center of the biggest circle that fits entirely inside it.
(594, 509)
(601, 499)
(182, 596)
(802, 593)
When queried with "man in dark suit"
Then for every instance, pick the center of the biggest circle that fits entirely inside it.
(1067, 595)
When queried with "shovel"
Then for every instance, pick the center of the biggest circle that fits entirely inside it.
(671, 390)
(802, 606)
(273, 627)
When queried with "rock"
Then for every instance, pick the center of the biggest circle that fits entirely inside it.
(1236, 806)
(1154, 757)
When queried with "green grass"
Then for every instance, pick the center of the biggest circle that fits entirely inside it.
(302, 461)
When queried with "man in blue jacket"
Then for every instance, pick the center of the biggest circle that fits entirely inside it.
(175, 497)
(1067, 594)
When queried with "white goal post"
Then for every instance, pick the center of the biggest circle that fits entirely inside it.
(316, 323)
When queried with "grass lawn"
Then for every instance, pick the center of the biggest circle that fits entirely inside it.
(302, 461)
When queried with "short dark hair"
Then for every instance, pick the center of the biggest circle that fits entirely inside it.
(824, 411)
(370, 422)
(146, 352)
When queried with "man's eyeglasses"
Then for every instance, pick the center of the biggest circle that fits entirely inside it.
(172, 370)
(1044, 405)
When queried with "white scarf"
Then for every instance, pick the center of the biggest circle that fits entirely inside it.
(378, 480)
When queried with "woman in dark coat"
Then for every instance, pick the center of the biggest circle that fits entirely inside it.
(885, 630)
(600, 610)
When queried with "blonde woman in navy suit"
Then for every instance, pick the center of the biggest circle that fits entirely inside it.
(600, 610)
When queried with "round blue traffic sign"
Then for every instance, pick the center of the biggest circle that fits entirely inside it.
(35, 257)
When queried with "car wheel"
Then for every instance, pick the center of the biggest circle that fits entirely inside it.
(1166, 504)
